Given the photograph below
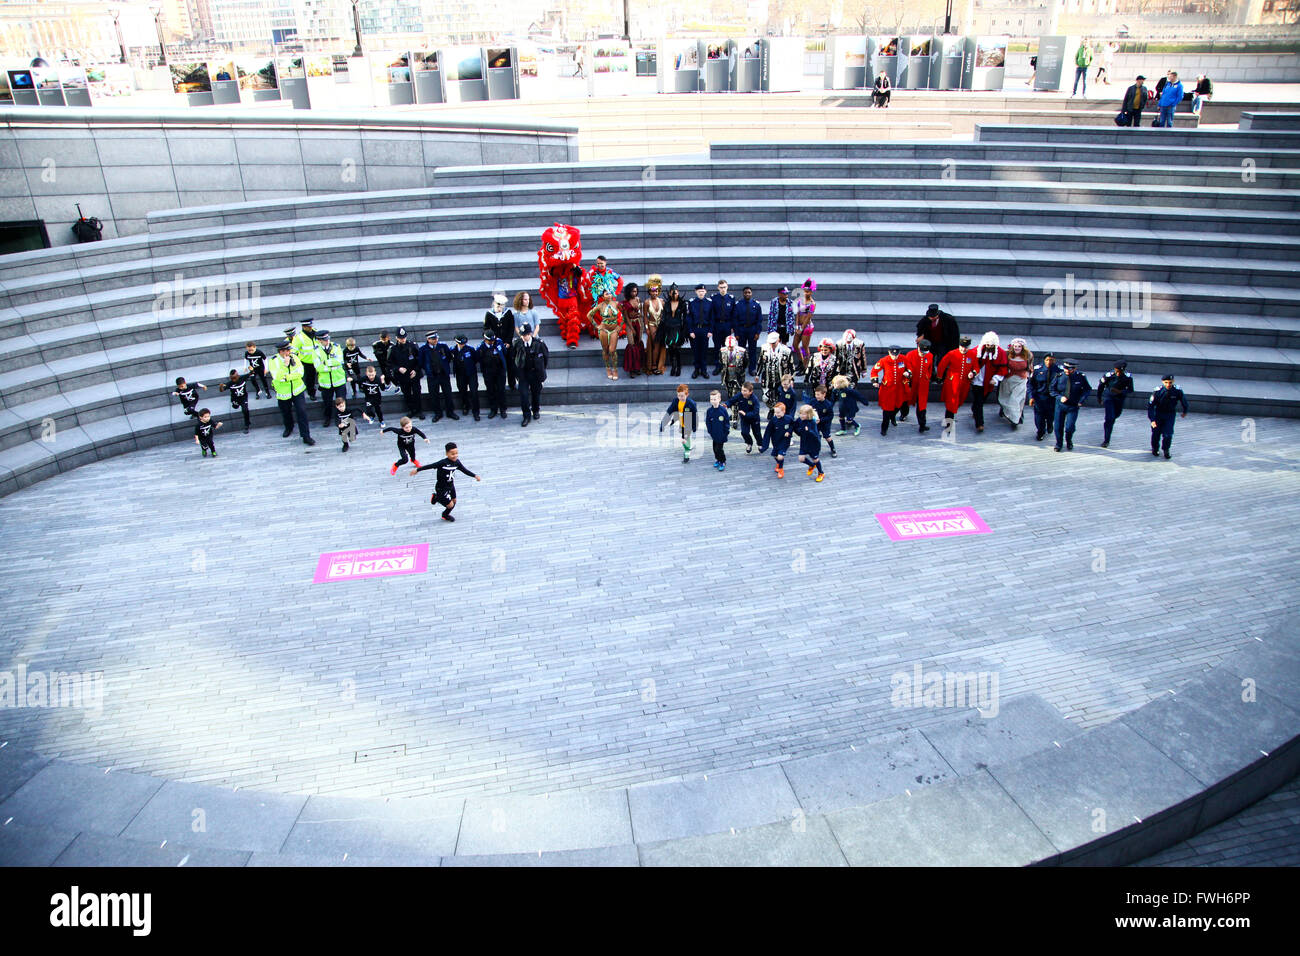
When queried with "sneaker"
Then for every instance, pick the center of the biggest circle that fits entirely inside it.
(842, 431)
(415, 462)
(393, 470)
(856, 429)
(686, 458)
(780, 472)
(717, 465)
(811, 470)
(205, 451)
(1038, 437)
(820, 477)
(749, 449)
(722, 466)
(448, 518)
(1154, 453)
(834, 453)
(214, 453)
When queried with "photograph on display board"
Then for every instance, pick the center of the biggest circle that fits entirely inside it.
(855, 58)
(887, 46)
(292, 68)
(399, 69)
(499, 59)
(46, 77)
(257, 74)
(990, 53)
(190, 78)
(339, 64)
(5, 95)
(464, 63)
(611, 59)
(747, 49)
(21, 80)
(319, 64)
(113, 79)
(426, 61)
(686, 56)
(72, 77)
(222, 70)
(920, 47)
(528, 63)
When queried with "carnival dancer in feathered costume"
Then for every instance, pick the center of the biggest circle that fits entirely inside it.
(565, 285)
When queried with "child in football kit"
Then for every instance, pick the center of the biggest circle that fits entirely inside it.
(405, 443)
(373, 390)
(718, 422)
(745, 405)
(777, 435)
(444, 492)
(347, 427)
(238, 388)
(256, 368)
(808, 429)
(205, 430)
(188, 393)
(683, 409)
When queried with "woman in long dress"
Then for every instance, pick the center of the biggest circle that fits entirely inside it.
(1013, 389)
(651, 310)
(634, 351)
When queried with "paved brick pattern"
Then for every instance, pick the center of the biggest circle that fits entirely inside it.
(602, 615)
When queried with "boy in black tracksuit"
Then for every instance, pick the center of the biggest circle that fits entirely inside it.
(238, 388)
(352, 359)
(373, 390)
(444, 493)
(405, 443)
(786, 396)
(205, 430)
(464, 363)
(188, 393)
(382, 346)
(256, 370)
(825, 410)
(745, 405)
(718, 422)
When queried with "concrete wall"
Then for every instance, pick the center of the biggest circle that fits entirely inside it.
(122, 165)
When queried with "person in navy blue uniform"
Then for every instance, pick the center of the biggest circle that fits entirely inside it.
(718, 422)
(531, 357)
(849, 399)
(745, 406)
(404, 372)
(1112, 390)
(810, 443)
(699, 323)
(1162, 409)
(1069, 390)
(436, 360)
(825, 411)
(463, 358)
(490, 359)
(779, 429)
(747, 320)
(682, 409)
(721, 304)
(1040, 398)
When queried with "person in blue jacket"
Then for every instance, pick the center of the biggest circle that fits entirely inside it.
(785, 394)
(1069, 390)
(810, 443)
(825, 410)
(699, 323)
(779, 429)
(465, 361)
(746, 406)
(1170, 97)
(1112, 390)
(1162, 409)
(436, 360)
(721, 305)
(718, 421)
(1040, 398)
(849, 399)
(683, 410)
(747, 320)
(490, 358)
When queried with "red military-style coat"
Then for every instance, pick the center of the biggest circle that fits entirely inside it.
(992, 367)
(921, 365)
(957, 368)
(894, 380)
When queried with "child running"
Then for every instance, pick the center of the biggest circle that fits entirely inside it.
(347, 427)
(405, 443)
(444, 492)
(745, 406)
(810, 444)
(373, 390)
(256, 368)
(849, 399)
(825, 410)
(188, 394)
(238, 388)
(718, 422)
(205, 430)
(778, 436)
(684, 411)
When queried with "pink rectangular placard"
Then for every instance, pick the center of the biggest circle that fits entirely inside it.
(910, 525)
(372, 563)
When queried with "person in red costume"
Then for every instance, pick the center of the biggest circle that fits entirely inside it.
(565, 285)
(920, 362)
(894, 380)
(956, 369)
(992, 358)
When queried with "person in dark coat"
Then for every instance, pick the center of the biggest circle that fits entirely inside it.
(1135, 99)
(436, 361)
(747, 320)
(941, 329)
(490, 359)
(721, 304)
(699, 324)
(464, 364)
(1112, 390)
(404, 371)
(500, 321)
(672, 328)
(1162, 409)
(531, 357)
(718, 421)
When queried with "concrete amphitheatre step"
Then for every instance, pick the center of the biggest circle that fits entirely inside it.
(1245, 139)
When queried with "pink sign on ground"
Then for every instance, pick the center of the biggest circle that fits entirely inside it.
(910, 525)
(371, 563)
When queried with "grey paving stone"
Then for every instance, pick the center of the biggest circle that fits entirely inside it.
(970, 821)
(386, 857)
(209, 816)
(1096, 784)
(529, 824)
(17, 766)
(1022, 725)
(32, 846)
(67, 795)
(802, 842)
(866, 774)
(711, 804)
(98, 850)
(625, 855)
(418, 826)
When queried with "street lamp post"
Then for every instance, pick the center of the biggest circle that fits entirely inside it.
(947, 18)
(156, 10)
(356, 25)
(116, 14)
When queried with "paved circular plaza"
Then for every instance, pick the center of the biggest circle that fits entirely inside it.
(602, 615)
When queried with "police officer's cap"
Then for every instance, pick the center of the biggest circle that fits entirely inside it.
(322, 333)
(288, 332)
(1048, 355)
(461, 340)
(1121, 365)
(525, 329)
(923, 345)
(1166, 377)
(430, 335)
(284, 347)
(700, 286)
(1069, 363)
(401, 333)
(306, 321)
(489, 334)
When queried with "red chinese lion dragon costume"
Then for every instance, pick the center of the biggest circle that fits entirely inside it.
(565, 285)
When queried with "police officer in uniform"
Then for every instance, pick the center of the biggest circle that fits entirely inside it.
(404, 369)
(721, 304)
(436, 360)
(1068, 390)
(747, 320)
(331, 375)
(1112, 390)
(304, 346)
(287, 378)
(466, 368)
(531, 356)
(1040, 400)
(490, 358)
(1162, 409)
